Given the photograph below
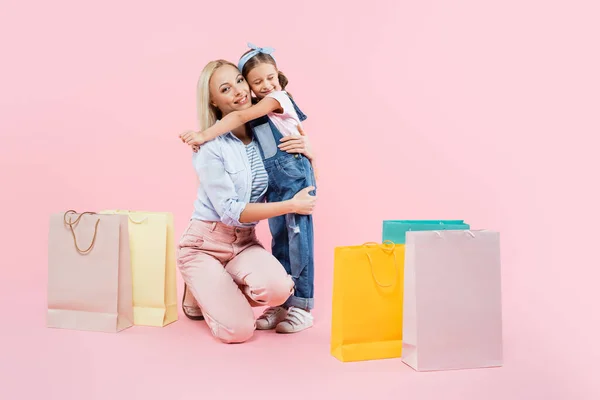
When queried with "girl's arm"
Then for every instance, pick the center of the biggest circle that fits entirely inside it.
(231, 121)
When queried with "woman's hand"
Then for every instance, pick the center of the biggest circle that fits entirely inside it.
(303, 202)
(297, 144)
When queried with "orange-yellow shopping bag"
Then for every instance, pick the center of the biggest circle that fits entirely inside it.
(368, 286)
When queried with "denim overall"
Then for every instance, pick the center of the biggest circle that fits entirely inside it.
(293, 238)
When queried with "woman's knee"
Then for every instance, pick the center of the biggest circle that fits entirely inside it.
(280, 290)
(238, 332)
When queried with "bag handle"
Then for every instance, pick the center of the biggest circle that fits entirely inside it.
(72, 223)
(468, 232)
(391, 250)
(141, 221)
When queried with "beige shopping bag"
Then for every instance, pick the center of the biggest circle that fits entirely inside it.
(152, 243)
(89, 272)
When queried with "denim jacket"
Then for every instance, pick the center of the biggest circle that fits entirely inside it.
(223, 168)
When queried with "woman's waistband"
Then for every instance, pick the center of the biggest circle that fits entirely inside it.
(216, 226)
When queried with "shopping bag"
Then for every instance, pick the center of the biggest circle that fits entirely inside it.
(89, 272)
(367, 302)
(452, 302)
(152, 243)
(395, 230)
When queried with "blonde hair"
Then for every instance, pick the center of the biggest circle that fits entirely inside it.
(207, 112)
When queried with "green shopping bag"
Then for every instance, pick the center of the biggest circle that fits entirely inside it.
(395, 230)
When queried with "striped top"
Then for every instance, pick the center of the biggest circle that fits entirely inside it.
(260, 178)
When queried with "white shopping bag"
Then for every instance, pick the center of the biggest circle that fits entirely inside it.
(452, 317)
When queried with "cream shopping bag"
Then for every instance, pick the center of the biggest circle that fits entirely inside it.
(89, 272)
(452, 317)
(152, 243)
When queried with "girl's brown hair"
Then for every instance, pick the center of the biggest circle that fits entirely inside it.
(262, 58)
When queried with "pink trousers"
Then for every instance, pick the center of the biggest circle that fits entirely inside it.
(228, 271)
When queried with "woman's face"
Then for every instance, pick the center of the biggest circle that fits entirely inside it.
(229, 91)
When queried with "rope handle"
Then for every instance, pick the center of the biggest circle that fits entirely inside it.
(73, 223)
(391, 250)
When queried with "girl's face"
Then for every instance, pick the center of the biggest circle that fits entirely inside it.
(263, 79)
(229, 90)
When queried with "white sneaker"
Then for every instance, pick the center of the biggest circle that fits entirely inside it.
(270, 318)
(296, 320)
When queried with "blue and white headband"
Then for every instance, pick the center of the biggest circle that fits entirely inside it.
(255, 50)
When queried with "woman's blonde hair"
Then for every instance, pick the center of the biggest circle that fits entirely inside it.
(207, 112)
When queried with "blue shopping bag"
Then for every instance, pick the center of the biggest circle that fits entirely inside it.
(395, 230)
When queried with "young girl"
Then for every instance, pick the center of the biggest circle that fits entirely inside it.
(293, 243)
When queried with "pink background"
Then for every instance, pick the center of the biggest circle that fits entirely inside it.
(432, 109)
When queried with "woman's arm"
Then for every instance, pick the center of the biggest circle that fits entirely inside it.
(219, 187)
(231, 121)
(298, 144)
(210, 169)
(301, 203)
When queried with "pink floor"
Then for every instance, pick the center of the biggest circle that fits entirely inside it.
(182, 361)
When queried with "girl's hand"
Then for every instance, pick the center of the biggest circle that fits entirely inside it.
(195, 147)
(192, 138)
(185, 134)
(297, 144)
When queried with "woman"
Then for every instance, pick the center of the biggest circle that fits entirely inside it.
(222, 263)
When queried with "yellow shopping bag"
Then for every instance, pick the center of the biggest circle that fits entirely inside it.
(368, 286)
(152, 247)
